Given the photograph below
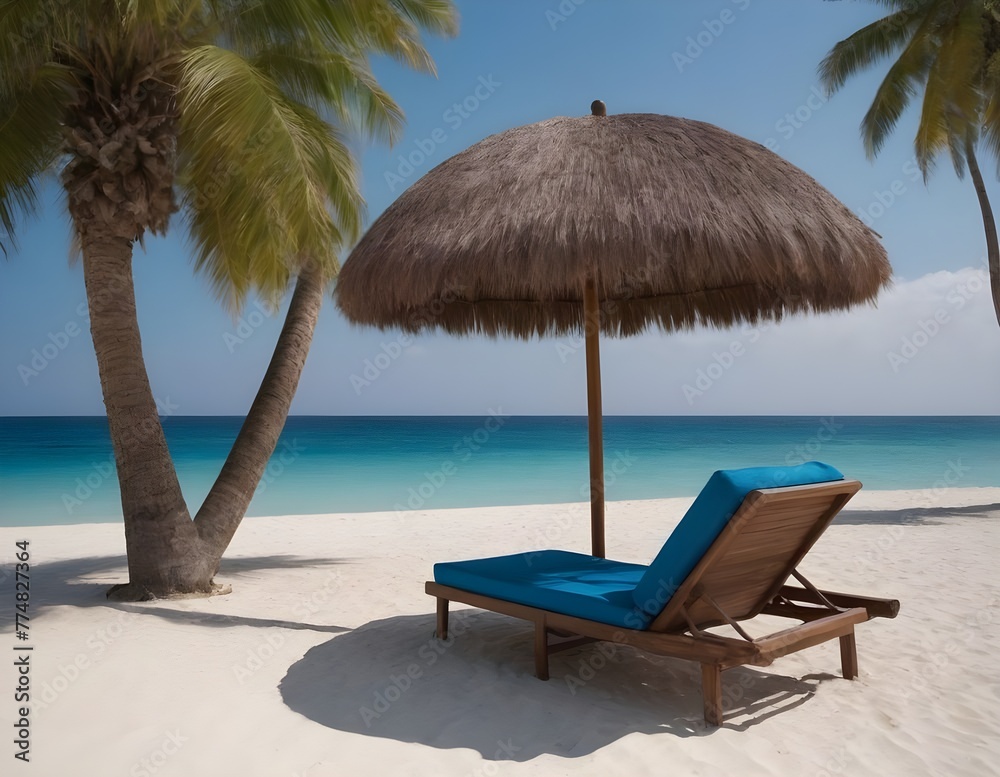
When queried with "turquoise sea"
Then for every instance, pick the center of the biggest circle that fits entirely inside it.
(60, 470)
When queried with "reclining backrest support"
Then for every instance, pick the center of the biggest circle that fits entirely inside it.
(709, 516)
(754, 555)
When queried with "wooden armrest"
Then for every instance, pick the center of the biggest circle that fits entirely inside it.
(876, 608)
(809, 634)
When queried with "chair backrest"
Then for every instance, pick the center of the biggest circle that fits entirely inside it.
(753, 556)
(717, 503)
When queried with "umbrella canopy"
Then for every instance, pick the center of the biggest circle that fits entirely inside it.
(609, 224)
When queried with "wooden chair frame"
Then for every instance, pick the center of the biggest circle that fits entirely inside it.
(742, 575)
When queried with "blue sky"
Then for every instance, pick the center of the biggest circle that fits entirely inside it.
(750, 66)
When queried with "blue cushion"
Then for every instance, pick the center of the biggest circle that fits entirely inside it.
(583, 586)
(705, 519)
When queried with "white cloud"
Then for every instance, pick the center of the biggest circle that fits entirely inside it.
(931, 346)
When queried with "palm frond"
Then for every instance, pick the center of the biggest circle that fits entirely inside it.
(334, 82)
(261, 173)
(991, 106)
(349, 26)
(30, 136)
(29, 33)
(952, 100)
(157, 14)
(901, 83)
(435, 16)
(866, 47)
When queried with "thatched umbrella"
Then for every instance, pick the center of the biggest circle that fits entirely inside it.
(609, 224)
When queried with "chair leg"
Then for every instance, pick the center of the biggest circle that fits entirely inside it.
(849, 656)
(711, 691)
(541, 649)
(442, 618)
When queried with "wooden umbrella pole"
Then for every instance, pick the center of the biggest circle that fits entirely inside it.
(592, 333)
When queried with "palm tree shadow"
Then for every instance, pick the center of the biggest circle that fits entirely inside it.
(392, 678)
(84, 582)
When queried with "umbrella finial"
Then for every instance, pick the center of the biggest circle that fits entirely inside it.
(598, 108)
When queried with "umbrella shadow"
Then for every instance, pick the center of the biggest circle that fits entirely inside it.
(391, 678)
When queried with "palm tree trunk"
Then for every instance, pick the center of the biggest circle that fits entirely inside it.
(160, 538)
(992, 245)
(227, 502)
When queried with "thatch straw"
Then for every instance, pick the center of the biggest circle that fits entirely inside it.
(684, 223)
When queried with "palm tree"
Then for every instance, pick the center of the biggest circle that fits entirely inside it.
(951, 49)
(234, 112)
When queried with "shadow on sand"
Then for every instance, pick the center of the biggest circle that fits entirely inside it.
(84, 583)
(391, 678)
(910, 516)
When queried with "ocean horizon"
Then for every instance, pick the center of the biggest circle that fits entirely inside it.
(60, 469)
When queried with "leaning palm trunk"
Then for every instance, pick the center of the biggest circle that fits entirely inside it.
(989, 223)
(226, 503)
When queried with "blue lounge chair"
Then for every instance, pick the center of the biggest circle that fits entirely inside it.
(727, 561)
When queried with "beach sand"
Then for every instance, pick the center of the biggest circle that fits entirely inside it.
(322, 662)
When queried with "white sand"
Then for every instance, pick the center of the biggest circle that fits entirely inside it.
(328, 615)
